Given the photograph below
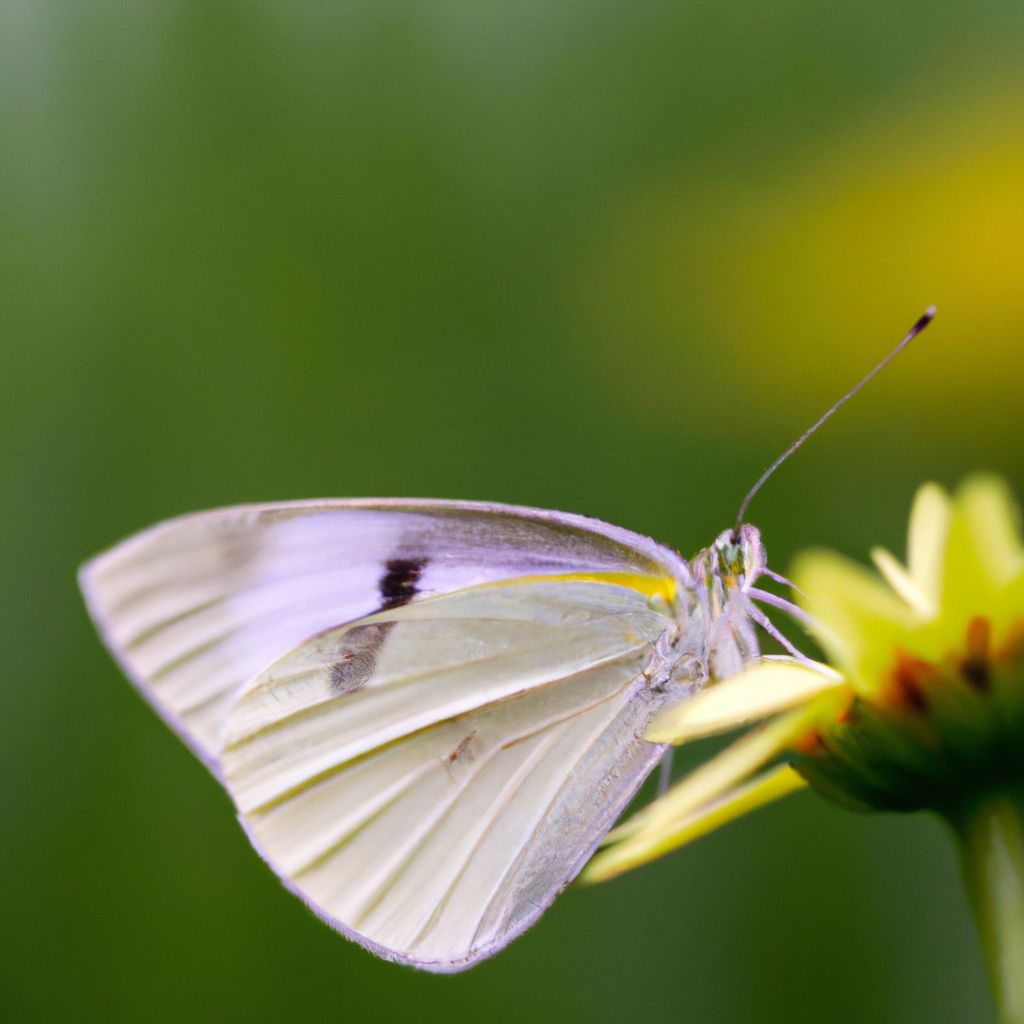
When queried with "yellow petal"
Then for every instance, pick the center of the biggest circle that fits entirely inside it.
(755, 693)
(992, 514)
(903, 583)
(650, 843)
(857, 618)
(930, 519)
(725, 771)
(982, 553)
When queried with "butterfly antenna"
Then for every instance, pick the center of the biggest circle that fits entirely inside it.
(914, 331)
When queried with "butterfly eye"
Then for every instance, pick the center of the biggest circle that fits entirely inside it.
(729, 548)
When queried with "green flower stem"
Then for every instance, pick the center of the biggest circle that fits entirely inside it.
(991, 835)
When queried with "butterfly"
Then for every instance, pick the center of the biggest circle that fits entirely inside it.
(428, 714)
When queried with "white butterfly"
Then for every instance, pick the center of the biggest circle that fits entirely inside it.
(428, 714)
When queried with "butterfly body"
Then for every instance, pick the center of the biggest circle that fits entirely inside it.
(427, 713)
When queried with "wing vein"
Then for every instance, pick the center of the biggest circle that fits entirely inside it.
(505, 797)
(541, 817)
(395, 683)
(414, 776)
(362, 755)
(594, 738)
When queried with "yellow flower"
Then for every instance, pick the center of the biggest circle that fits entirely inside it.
(923, 706)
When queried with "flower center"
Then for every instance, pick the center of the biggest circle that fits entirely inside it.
(975, 667)
(936, 732)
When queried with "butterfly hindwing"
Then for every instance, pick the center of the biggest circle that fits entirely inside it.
(435, 810)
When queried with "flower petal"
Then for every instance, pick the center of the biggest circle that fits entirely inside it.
(992, 513)
(930, 519)
(903, 583)
(755, 693)
(982, 552)
(725, 771)
(858, 618)
(653, 842)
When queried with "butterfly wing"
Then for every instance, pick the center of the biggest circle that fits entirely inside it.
(430, 777)
(193, 608)
(428, 713)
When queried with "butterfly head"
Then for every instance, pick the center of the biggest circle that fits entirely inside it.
(735, 559)
(724, 575)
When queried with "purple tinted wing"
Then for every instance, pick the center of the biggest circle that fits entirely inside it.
(195, 607)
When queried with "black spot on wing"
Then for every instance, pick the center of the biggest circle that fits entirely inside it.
(398, 584)
(361, 644)
(358, 657)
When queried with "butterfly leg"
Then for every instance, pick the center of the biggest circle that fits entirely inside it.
(770, 628)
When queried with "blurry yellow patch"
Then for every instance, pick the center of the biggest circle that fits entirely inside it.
(918, 201)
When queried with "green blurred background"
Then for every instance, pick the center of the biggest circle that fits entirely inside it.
(601, 257)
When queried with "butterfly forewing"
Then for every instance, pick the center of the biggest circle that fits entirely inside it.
(436, 808)
(195, 607)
